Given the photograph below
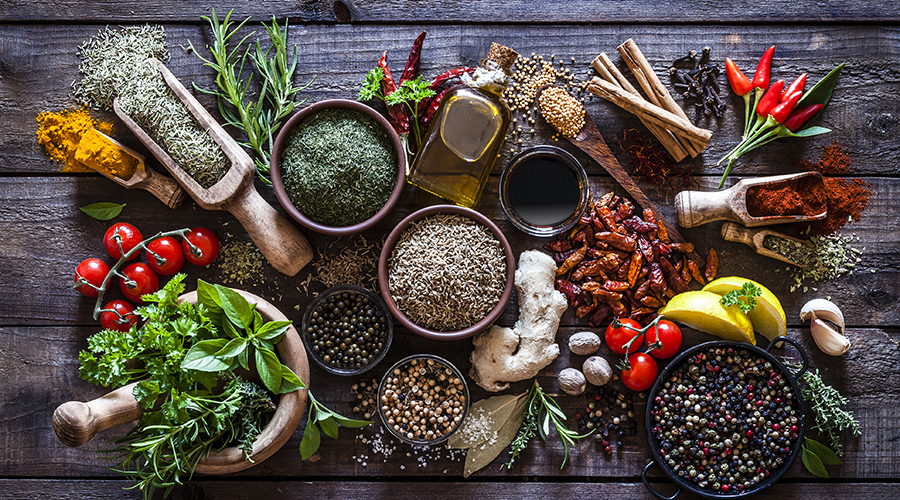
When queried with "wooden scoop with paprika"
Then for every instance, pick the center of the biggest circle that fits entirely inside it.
(764, 201)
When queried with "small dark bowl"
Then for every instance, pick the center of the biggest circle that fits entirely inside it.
(307, 342)
(404, 437)
(388, 248)
(285, 133)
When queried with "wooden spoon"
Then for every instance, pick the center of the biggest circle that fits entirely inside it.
(591, 142)
(278, 240)
(754, 239)
(694, 208)
(166, 189)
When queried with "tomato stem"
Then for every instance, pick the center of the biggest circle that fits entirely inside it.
(626, 364)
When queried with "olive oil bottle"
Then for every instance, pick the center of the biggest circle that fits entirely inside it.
(465, 136)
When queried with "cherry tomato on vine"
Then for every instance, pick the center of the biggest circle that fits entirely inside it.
(129, 235)
(616, 338)
(642, 374)
(144, 281)
(121, 322)
(168, 249)
(206, 241)
(669, 336)
(93, 271)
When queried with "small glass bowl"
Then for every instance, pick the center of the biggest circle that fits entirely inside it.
(554, 154)
(308, 341)
(425, 358)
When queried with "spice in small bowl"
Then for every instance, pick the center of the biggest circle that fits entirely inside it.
(423, 399)
(347, 330)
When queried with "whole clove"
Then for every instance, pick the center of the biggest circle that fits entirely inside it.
(699, 82)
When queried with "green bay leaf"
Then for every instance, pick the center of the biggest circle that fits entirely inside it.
(103, 210)
(826, 454)
(813, 463)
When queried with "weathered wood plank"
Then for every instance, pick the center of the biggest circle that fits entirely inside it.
(38, 62)
(484, 11)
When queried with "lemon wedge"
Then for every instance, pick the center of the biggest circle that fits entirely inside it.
(702, 311)
(767, 317)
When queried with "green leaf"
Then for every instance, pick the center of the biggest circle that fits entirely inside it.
(744, 297)
(236, 307)
(273, 330)
(103, 210)
(811, 131)
(269, 369)
(821, 92)
(826, 454)
(310, 442)
(813, 463)
(545, 427)
(371, 87)
(146, 392)
(230, 330)
(202, 357)
(349, 422)
(290, 382)
(208, 295)
(244, 359)
(492, 411)
(329, 426)
(233, 348)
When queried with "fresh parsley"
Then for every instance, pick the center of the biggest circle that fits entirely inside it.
(744, 297)
(409, 94)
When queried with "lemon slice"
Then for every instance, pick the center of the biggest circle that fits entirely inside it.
(702, 311)
(768, 317)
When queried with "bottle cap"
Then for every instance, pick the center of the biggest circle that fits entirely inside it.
(503, 56)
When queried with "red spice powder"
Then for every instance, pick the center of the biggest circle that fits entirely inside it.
(847, 197)
(804, 196)
(833, 161)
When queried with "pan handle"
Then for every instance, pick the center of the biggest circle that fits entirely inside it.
(650, 488)
(800, 349)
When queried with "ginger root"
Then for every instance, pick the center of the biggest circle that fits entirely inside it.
(504, 355)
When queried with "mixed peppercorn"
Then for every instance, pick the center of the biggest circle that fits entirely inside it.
(347, 330)
(618, 416)
(725, 420)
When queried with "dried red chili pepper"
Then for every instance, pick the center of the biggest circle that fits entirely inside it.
(647, 249)
(770, 99)
(412, 63)
(634, 268)
(651, 301)
(761, 77)
(673, 277)
(800, 116)
(582, 311)
(616, 286)
(682, 247)
(712, 265)
(662, 234)
(608, 219)
(625, 210)
(618, 308)
(558, 246)
(695, 272)
(571, 261)
(448, 75)
(432, 107)
(569, 289)
(642, 291)
(639, 225)
(685, 269)
(657, 281)
(600, 315)
(662, 249)
(617, 240)
(396, 114)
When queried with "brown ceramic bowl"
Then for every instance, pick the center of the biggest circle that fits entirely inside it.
(281, 141)
(388, 248)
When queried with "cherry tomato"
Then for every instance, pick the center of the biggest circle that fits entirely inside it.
(616, 338)
(168, 249)
(144, 281)
(121, 322)
(669, 335)
(129, 235)
(642, 373)
(93, 271)
(204, 240)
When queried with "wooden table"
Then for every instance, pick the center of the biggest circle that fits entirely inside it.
(43, 235)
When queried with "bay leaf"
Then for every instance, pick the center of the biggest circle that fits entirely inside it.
(484, 419)
(479, 456)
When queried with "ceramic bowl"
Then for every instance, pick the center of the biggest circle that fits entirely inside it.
(281, 143)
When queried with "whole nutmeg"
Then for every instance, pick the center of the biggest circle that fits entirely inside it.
(596, 370)
(584, 343)
(572, 381)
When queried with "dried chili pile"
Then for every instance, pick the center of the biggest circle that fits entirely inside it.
(805, 196)
(615, 263)
(650, 161)
(847, 197)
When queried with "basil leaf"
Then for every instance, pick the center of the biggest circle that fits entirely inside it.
(202, 357)
(821, 91)
(244, 359)
(258, 321)
(290, 382)
(826, 454)
(230, 330)
(103, 210)
(208, 295)
(349, 422)
(233, 348)
(310, 442)
(813, 463)
(269, 369)
(273, 330)
(236, 307)
(329, 426)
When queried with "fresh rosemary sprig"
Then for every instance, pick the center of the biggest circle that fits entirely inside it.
(825, 402)
(261, 118)
(540, 411)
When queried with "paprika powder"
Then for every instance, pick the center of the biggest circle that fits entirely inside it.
(805, 196)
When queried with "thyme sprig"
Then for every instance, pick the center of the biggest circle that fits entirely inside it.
(540, 411)
(826, 404)
(261, 118)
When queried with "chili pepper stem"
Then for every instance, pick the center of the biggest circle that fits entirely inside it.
(747, 109)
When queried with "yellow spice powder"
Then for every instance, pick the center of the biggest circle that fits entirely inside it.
(61, 132)
(98, 152)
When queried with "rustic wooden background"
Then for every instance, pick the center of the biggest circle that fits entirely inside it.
(43, 235)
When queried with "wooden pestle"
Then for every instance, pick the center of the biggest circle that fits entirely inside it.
(75, 423)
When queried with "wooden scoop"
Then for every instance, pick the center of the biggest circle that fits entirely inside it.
(754, 239)
(591, 142)
(167, 190)
(694, 208)
(278, 240)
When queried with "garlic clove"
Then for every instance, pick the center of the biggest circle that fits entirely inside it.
(824, 309)
(828, 340)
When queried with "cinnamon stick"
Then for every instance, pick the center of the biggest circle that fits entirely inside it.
(656, 91)
(653, 114)
(604, 65)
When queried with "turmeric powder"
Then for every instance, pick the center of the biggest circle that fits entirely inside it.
(98, 152)
(61, 132)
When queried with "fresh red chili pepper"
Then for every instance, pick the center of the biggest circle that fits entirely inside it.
(396, 114)
(802, 115)
(797, 85)
(785, 107)
(447, 75)
(761, 77)
(412, 64)
(433, 106)
(740, 84)
(770, 99)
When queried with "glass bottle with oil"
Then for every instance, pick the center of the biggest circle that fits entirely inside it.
(465, 136)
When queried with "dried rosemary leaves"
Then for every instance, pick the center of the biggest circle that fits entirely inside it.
(447, 272)
(114, 64)
(830, 257)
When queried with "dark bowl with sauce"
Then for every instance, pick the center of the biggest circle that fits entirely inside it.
(544, 191)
